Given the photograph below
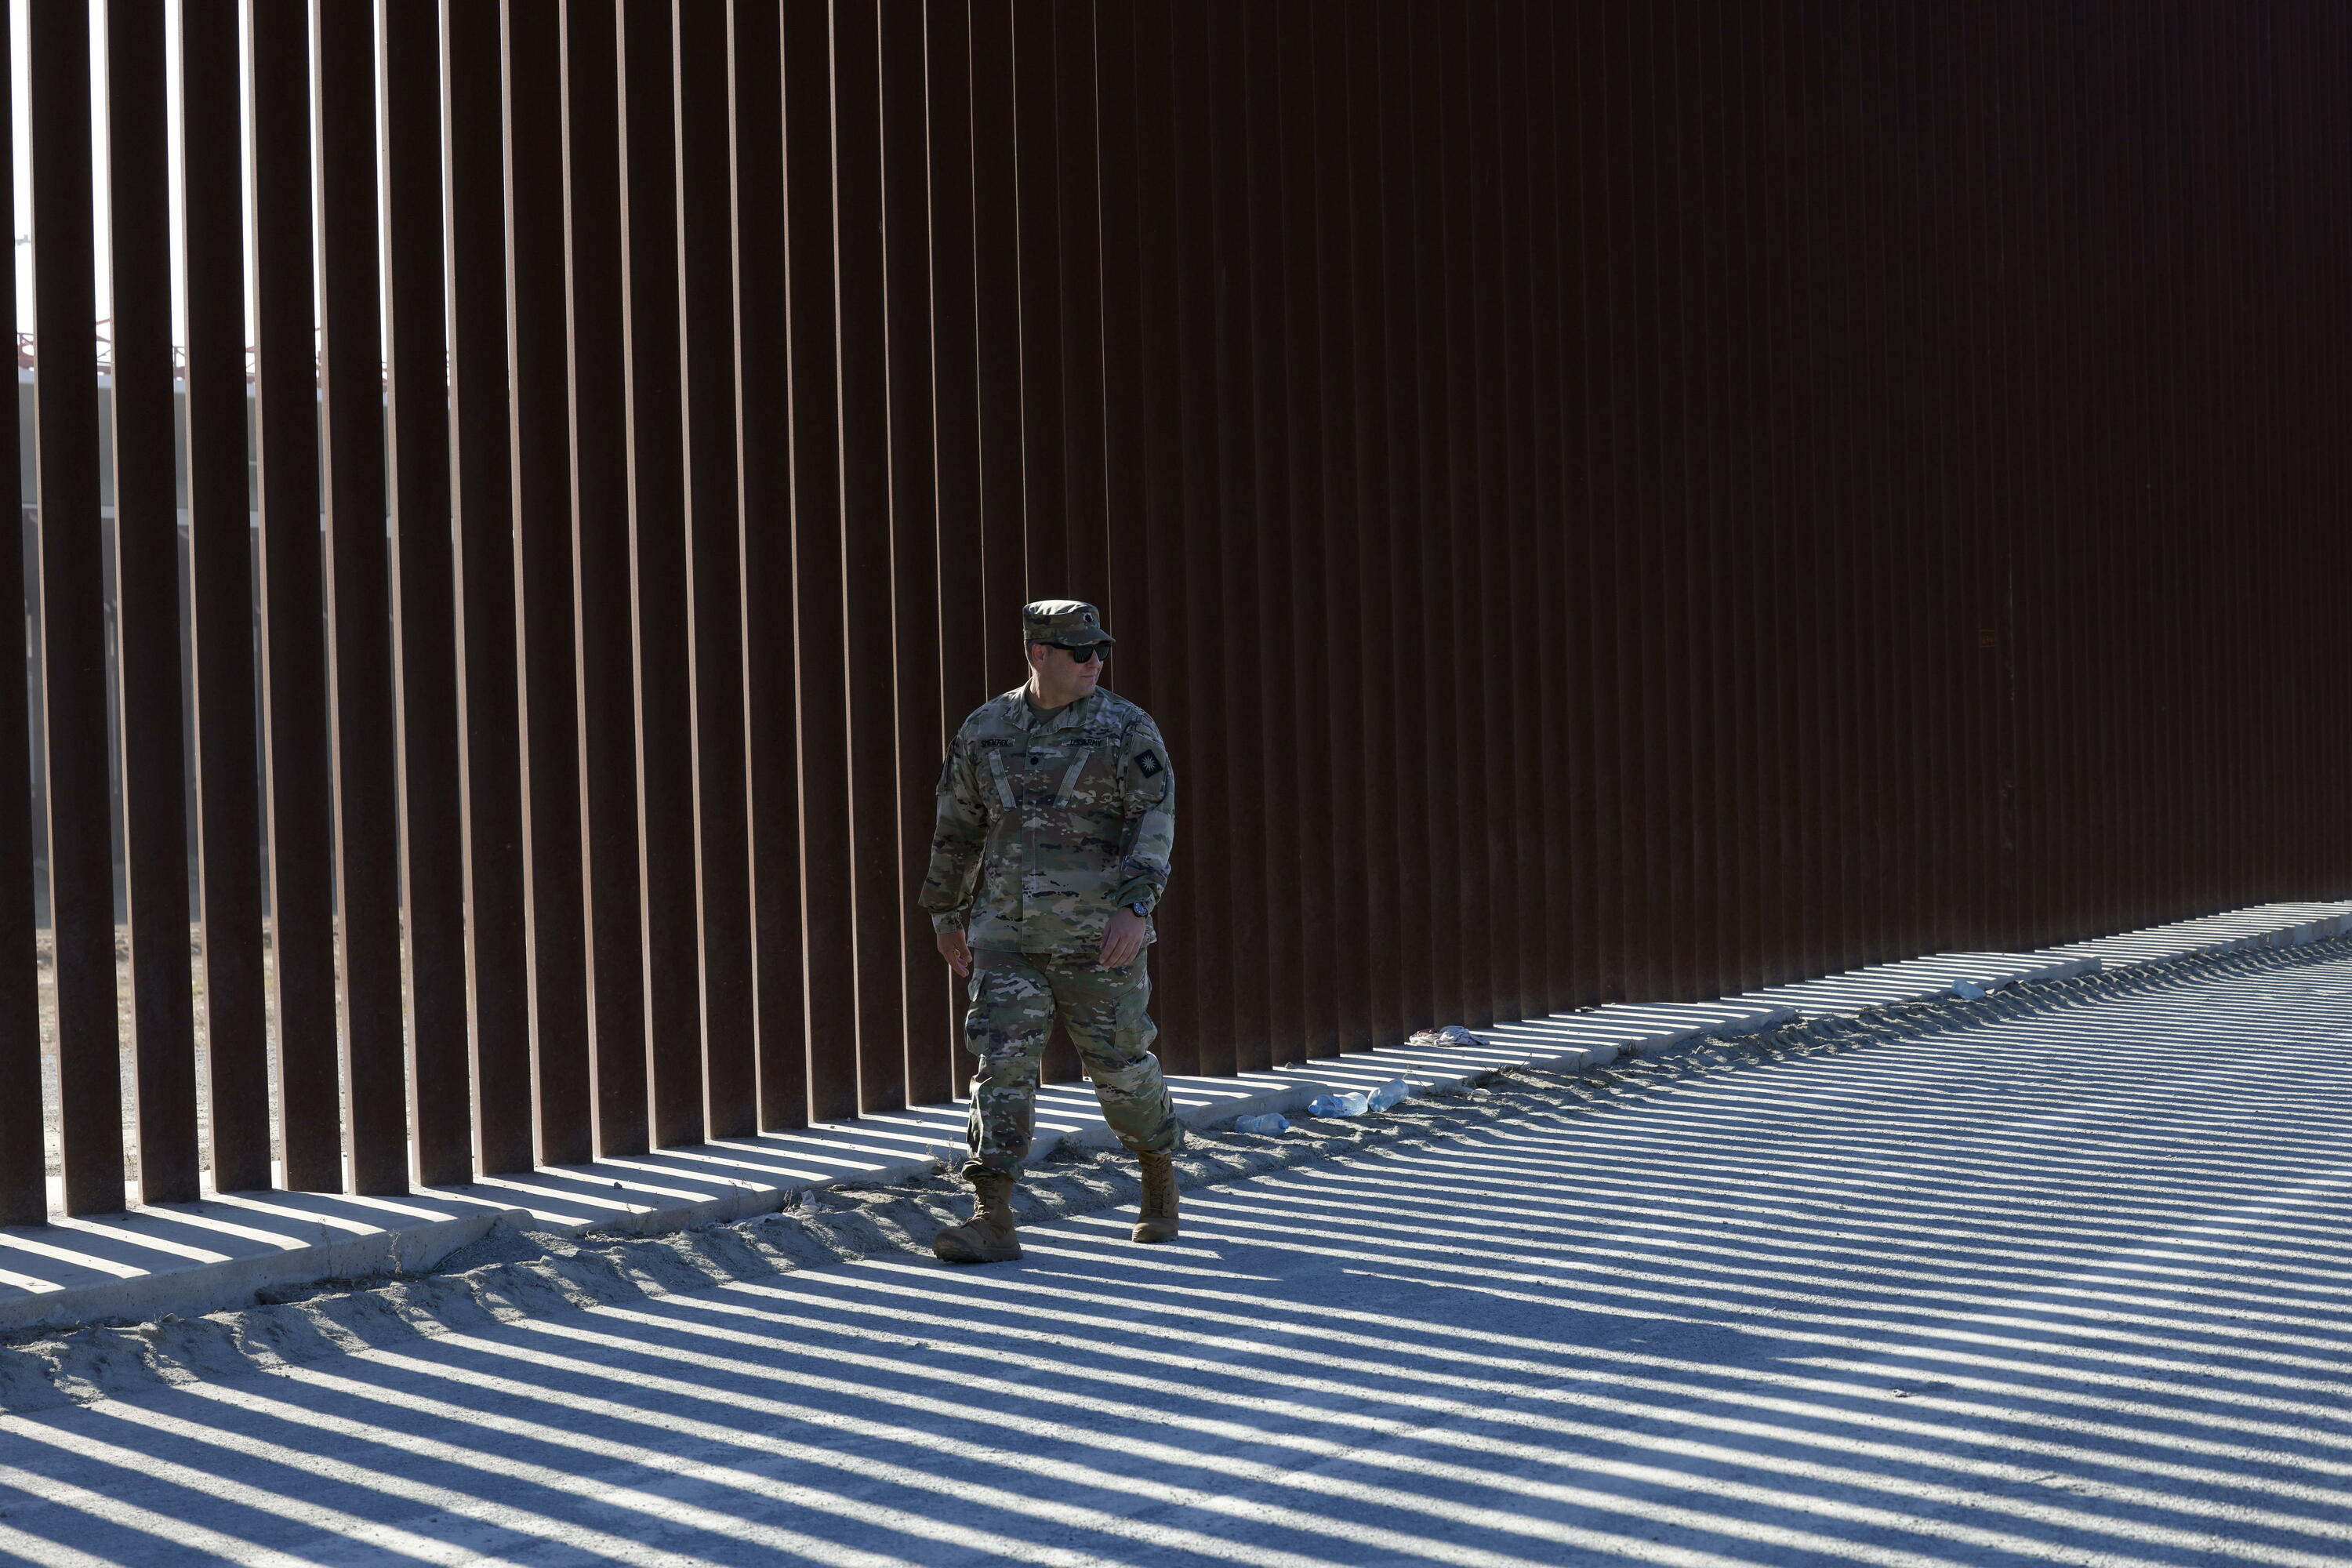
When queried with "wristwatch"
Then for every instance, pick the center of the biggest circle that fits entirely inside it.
(1142, 911)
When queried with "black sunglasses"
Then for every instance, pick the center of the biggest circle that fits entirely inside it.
(1087, 654)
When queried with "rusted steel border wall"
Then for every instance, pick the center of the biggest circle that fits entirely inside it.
(1627, 500)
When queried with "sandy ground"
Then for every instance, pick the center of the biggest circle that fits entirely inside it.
(2057, 1288)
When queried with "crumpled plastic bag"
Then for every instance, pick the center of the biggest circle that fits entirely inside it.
(1451, 1035)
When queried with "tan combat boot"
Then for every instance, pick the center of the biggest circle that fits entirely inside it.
(1158, 1220)
(989, 1237)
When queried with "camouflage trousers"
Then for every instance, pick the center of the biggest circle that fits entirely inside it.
(1014, 999)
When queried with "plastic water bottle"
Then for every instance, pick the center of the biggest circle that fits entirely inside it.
(1350, 1104)
(1967, 991)
(1268, 1124)
(1389, 1094)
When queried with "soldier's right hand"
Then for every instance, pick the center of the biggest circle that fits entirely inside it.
(956, 951)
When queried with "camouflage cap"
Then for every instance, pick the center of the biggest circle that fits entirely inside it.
(1064, 621)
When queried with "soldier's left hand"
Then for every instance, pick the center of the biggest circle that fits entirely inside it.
(1122, 941)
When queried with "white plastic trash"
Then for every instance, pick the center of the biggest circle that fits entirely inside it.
(1968, 990)
(1350, 1104)
(1389, 1094)
(1268, 1124)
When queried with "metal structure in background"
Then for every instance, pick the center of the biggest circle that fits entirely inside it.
(1624, 499)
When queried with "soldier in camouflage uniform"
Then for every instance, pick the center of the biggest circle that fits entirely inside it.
(1056, 816)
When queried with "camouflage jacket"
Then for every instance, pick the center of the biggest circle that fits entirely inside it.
(1058, 824)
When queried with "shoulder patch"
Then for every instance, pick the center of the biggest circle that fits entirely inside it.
(1148, 762)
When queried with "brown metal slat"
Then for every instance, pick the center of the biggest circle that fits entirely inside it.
(1077, 298)
(539, 351)
(965, 630)
(1398, 127)
(1260, 512)
(299, 759)
(1365, 525)
(601, 498)
(2071, 826)
(359, 567)
(1957, 662)
(24, 1155)
(2025, 916)
(1759, 880)
(1621, 454)
(1006, 579)
(1887, 888)
(1360, 523)
(1667, 527)
(428, 711)
(1624, 621)
(1778, 882)
(1204, 1023)
(1843, 530)
(1947, 629)
(2067, 827)
(1121, 488)
(1231, 739)
(953, 469)
(658, 594)
(73, 613)
(824, 652)
(1984, 650)
(1154, 528)
(1741, 752)
(1909, 569)
(221, 584)
(1818, 891)
(2179, 829)
(1774, 884)
(1562, 767)
(1472, 443)
(1058, 564)
(1139, 506)
(1526, 923)
(1322, 288)
(1709, 469)
(2011, 897)
(1446, 528)
(1940, 642)
(2006, 922)
(764, 481)
(714, 559)
(147, 601)
(1494, 941)
(480, 478)
(1837, 507)
(1594, 953)
(2131, 576)
(869, 657)
(925, 997)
